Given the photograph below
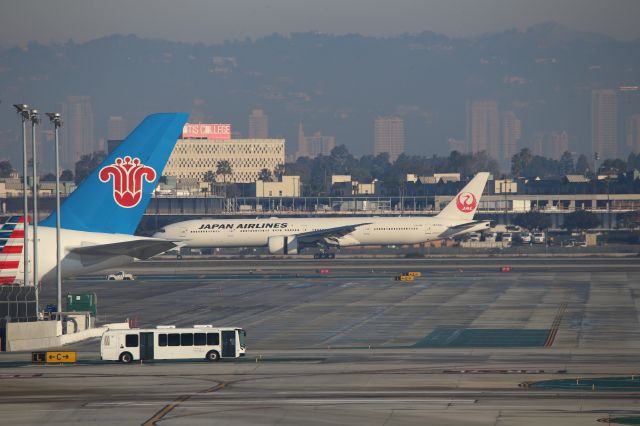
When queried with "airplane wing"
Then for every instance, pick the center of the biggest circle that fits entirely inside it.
(457, 229)
(139, 249)
(328, 233)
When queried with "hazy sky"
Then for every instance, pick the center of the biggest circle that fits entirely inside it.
(212, 21)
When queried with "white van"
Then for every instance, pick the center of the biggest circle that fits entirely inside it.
(538, 238)
(507, 237)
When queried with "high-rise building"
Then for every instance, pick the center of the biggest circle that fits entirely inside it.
(303, 147)
(483, 132)
(389, 136)
(258, 125)
(511, 134)
(633, 133)
(320, 145)
(604, 123)
(77, 132)
(313, 146)
(558, 144)
(117, 128)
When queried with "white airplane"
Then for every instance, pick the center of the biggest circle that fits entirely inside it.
(288, 236)
(99, 218)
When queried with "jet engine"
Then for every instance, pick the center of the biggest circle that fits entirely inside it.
(283, 245)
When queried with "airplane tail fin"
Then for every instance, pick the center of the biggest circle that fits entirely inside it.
(11, 246)
(465, 203)
(113, 198)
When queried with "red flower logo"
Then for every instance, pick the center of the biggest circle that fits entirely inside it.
(466, 202)
(127, 180)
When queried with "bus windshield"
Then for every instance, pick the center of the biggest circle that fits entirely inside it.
(242, 335)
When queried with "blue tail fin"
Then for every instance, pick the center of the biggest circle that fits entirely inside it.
(115, 196)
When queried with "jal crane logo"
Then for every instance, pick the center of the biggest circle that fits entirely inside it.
(127, 180)
(466, 202)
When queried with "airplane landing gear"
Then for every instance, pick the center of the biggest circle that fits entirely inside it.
(324, 255)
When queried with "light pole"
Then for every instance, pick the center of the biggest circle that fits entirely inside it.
(23, 111)
(56, 119)
(35, 120)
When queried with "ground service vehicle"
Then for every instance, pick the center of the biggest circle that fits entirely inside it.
(538, 238)
(120, 276)
(168, 342)
(507, 237)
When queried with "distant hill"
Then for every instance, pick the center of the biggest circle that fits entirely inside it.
(333, 84)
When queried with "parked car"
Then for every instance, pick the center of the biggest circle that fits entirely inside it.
(120, 276)
(473, 237)
(490, 237)
(525, 237)
(507, 237)
(538, 238)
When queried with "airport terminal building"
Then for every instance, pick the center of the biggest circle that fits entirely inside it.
(202, 146)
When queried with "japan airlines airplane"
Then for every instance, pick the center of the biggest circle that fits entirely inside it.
(99, 218)
(288, 236)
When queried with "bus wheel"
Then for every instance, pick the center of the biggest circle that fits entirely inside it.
(213, 356)
(125, 357)
(179, 257)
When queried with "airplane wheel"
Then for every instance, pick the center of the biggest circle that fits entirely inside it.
(332, 256)
(179, 257)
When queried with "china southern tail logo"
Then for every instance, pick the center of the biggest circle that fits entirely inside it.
(466, 202)
(127, 180)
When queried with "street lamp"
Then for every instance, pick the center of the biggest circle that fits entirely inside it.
(35, 120)
(56, 119)
(23, 112)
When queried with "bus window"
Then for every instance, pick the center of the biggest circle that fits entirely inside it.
(131, 341)
(162, 340)
(174, 339)
(243, 336)
(199, 339)
(186, 339)
(213, 339)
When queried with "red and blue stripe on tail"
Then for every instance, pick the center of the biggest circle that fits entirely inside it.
(11, 246)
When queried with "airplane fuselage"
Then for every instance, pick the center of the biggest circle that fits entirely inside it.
(256, 232)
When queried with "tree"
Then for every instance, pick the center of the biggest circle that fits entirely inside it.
(582, 165)
(87, 164)
(265, 175)
(5, 169)
(521, 161)
(533, 220)
(49, 177)
(279, 171)
(580, 220)
(566, 162)
(629, 219)
(210, 178)
(66, 176)
(223, 167)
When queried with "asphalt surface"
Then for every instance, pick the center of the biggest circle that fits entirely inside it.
(339, 348)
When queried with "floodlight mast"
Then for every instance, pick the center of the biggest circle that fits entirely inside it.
(23, 112)
(56, 119)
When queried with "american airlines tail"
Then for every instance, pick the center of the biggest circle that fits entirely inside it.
(11, 245)
(463, 207)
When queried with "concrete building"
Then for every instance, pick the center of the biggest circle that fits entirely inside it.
(389, 136)
(313, 146)
(192, 158)
(288, 187)
(483, 132)
(604, 123)
(511, 135)
(258, 125)
(77, 132)
(117, 128)
(633, 133)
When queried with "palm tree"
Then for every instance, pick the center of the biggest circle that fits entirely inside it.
(279, 171)
(265, 175)
(210, 178)
(224, 168)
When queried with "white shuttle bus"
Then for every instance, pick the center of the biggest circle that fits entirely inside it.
(169, 342)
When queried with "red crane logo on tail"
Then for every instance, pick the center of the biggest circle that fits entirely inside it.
(466, 202)
(127, 180)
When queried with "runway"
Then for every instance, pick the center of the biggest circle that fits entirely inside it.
(343, 348)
